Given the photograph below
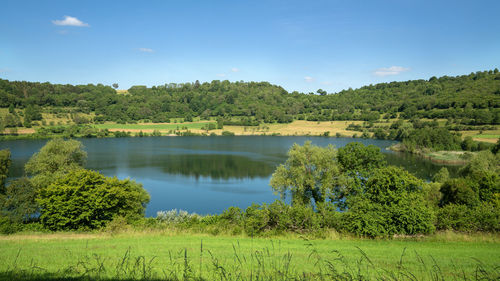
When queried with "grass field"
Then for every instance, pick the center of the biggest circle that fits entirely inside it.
(153, 126)
(297, 127)
(491, 136)
(173, 256)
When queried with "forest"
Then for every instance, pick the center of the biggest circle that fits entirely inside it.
(465, 100)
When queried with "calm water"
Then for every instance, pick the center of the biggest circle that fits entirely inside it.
(202, 174)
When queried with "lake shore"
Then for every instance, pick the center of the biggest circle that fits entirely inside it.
(438, 157)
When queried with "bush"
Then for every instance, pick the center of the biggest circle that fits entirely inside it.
(8, 226)
(85, 199)
(174, 216)
(227, 133)
(256, 219)
(484, 217)
(390, 202)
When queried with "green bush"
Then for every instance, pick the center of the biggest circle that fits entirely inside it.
(7, 226)
(85, 199)
(483, 217)
(391, 202)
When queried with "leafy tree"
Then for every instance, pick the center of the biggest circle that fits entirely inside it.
(32, 113)
(391, 202)
(321, 92)
(115, 85)
(19, 201)
(310, 173)
(356, 157)
(84, 199)
(55, 159)
(441, 176)
(5, 163)
(496, 148)
(459, 191)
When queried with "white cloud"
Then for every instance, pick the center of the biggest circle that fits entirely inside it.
(234, 69)
(326, 83)
(221, 74)
(146, 50)
(309, 79)
(393, 70)
(70, 21)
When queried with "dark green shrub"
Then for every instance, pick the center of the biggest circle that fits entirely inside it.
(459, 191)
(483, 217)
(256, 219)
(7, 226)
(85, 199)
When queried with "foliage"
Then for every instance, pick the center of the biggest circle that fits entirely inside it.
(469, 99)
(19, 203)
(310, 173)
(482, 217)
(459, 191)
(442, 175)
(391, 202)
(433, 138)
(84, 199)
(5, 163)
(356, 157)
(55, 159)
(174, 216)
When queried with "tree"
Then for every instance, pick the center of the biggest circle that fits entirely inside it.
(19, 202)
(310, 173)
(321, 92)
(115, 85)
(356, 157)
(441, 176)
(459, 191)
(32, 113)
(84, 199)
(5, 163)
(55, 159)
(391, 202)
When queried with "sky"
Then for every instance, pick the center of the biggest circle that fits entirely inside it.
(300, 45)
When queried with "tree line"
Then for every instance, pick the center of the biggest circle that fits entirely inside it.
(472, 99)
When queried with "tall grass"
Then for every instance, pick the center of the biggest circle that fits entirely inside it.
(273, 262)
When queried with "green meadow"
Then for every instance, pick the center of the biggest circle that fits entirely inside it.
(176, 256)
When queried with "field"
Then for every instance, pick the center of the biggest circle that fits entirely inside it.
(146, 127)
(486, 136)
(173, 256)
(298, 127)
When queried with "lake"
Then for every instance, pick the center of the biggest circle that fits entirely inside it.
(203, 174)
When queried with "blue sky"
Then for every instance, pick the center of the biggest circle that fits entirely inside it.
(300, 45)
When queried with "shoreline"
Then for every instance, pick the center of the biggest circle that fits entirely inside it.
(452, 158)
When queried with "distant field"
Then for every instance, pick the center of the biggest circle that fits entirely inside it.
(180, 254)
(491, 136)
(153, 126)
(298, 127)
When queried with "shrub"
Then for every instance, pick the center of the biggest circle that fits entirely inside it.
(85, 199)
(174, 216)
(390, 202)
(484, 217)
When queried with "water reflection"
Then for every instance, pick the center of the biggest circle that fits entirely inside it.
(216, 166)
(203, 174)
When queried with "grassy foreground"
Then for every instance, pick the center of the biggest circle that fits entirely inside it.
(170, 256)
